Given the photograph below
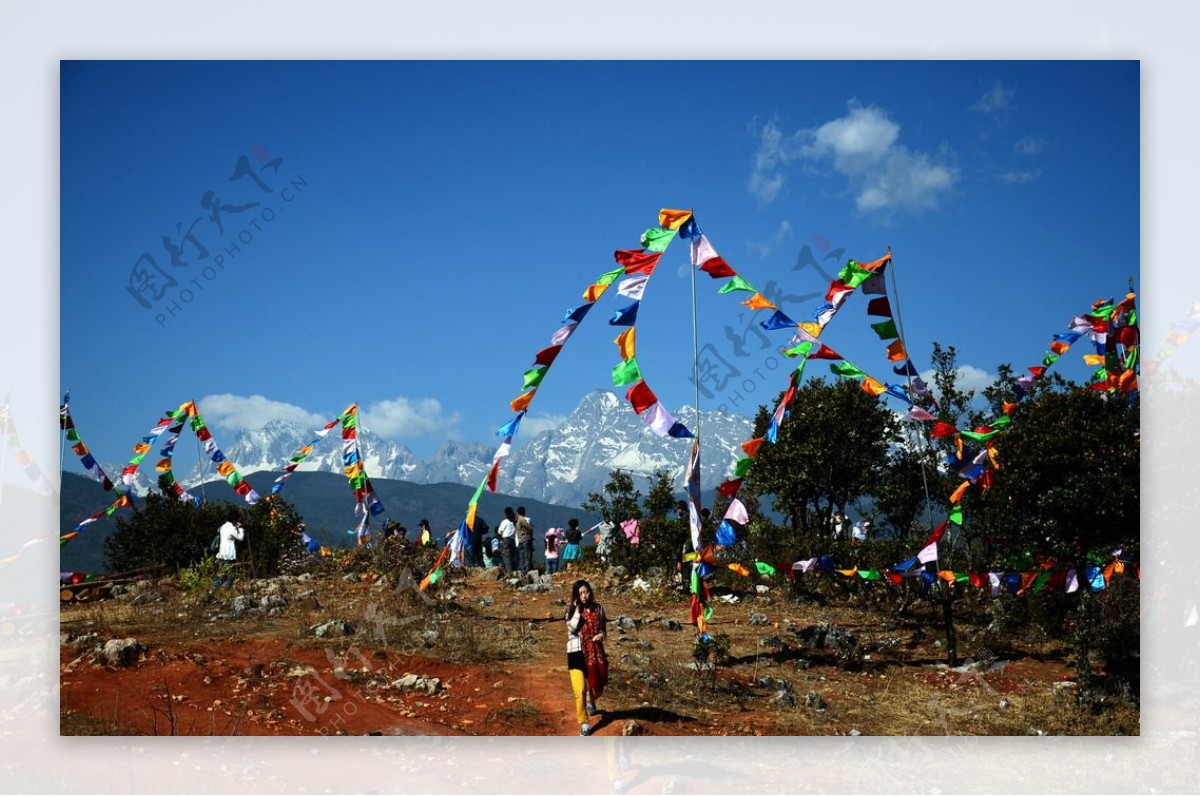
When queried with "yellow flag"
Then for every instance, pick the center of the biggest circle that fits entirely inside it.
(672, 219)
(625, 342)
(759, 302)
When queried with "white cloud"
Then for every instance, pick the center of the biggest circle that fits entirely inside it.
(1018, 177)
(532, 426)
(905, 180)
(782, 234)
(1029, 146)
(238, 412)
(404, 417)
(997, 98)
(864, 146)
(857, 141)
(969, 378)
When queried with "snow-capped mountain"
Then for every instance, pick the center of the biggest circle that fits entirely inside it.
(560, 466)
(603, 434)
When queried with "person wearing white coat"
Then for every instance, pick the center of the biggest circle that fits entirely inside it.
(230, 532)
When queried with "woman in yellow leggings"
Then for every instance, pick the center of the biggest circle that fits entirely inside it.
(587, 662)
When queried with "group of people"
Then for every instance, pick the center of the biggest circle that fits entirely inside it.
(511, 548)
(587, 625)
(858, 533)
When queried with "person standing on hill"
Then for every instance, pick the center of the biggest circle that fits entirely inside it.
(587, 662)
(572, 550)
(231, 533)
(551, 551)
(508, 540)
(524, 541)
(426, 535)
(475, 537)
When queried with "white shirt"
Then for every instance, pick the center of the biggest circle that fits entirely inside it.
(507, 530)
(229, 532)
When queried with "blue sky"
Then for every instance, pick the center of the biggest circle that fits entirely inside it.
(429, 223)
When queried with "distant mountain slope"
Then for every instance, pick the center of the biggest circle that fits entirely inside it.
(323, 499)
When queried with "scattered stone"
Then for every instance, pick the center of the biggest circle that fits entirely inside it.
(146, 597)
(118, 589)
(429, 637)
(626, 623)
(534, 587)
(640, 584)
(815, 701)
(304, 595)
(631, 727)
(333, 628)
(122, 651)
(487, 599)
(547, 580)
(304, 577)
(492, 573)
(759, 619)
(241, 604)
(351, 577)
(784, 699)
(273, 602)
(775, 642)
(855, 733)
(616, 572)
(761, 588)
(775, 683)
(671, 624)
(1004, 703)
(654, 573)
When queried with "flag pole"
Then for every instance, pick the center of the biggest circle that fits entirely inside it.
(947, 609)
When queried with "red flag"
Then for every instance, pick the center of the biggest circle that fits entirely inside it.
(717, 268)
(879, 306)
(942, 429)
(491, 479)
(637, 261)
(641, 397)
(546, 355)
(730, 488)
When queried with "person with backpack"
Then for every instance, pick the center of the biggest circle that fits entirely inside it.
(572, 550)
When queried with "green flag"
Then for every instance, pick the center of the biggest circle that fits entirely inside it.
(478, 492)
(870, 574)
(1000, 422)
(737, 283)
(854, 274)
(534, 376)
(886, 329)
(656, 239)
(800, 350)
(1049, 359)
(608, 277)
(742, 467)
(1040, 582)
(626, 373)
(981, 438)
(847, 370)
(764, 568)
(956, 514)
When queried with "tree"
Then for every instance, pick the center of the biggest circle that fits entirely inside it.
(167, 531)
(619, 502)
(900, 495)
(831, 450)
(1068, 483)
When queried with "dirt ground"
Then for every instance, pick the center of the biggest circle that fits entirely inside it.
(479, 657)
